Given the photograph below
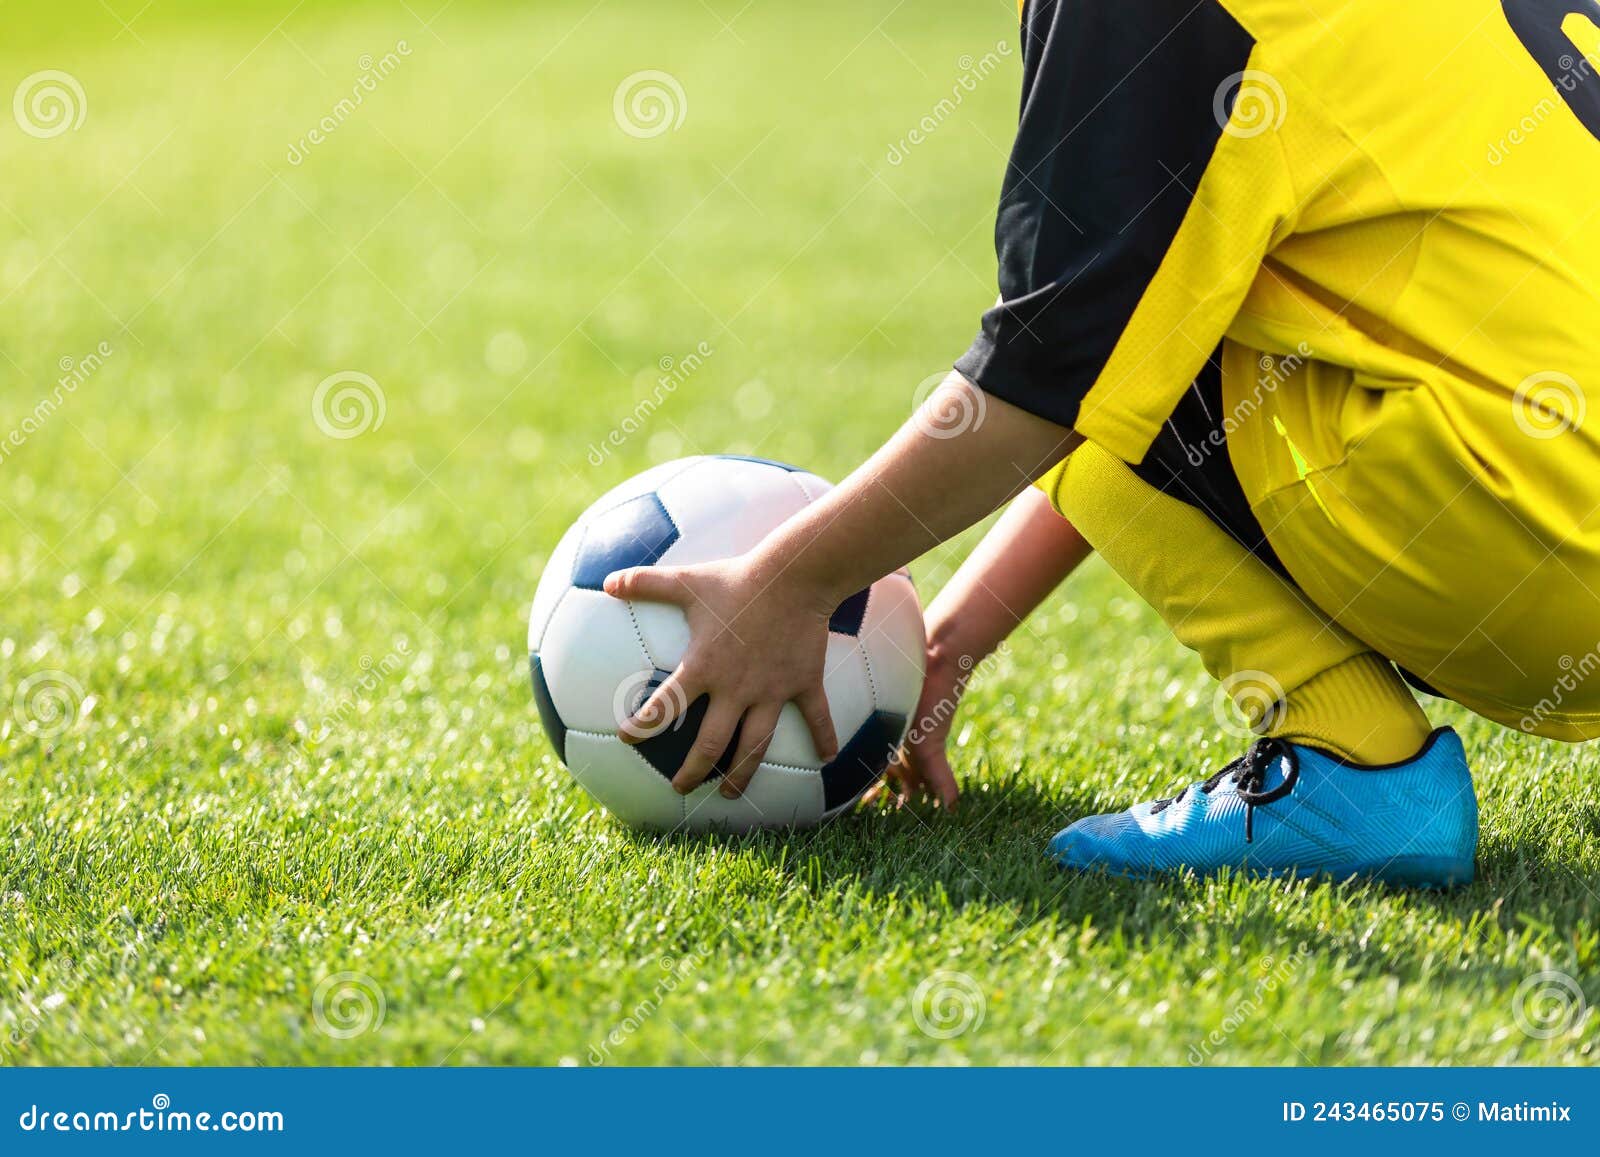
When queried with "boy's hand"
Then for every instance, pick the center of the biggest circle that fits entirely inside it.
(757, 640)
(922, 765)
(758, 624)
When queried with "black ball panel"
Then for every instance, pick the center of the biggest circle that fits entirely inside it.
(863, 759)
(548, 715)
(636, 533)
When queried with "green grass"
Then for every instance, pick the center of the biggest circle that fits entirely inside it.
(184, 865)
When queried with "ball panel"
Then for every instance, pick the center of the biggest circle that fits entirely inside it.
(554, 728)
(844, 678)
(554, 582)
(893, 639)
(777, 797)
(635, 533)
(667, 750)
(810, 484)
(592, 660)
(861, 760)
(791, 740)
(665, 632)
(725, 507)
(611, 772)
(645, 482)
(847, 616)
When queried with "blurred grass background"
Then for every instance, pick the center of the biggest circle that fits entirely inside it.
(299, 744)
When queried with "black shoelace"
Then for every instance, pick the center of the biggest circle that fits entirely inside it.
(1249, 774)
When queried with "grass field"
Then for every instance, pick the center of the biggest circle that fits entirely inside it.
(269, 765)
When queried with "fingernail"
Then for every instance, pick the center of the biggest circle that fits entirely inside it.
(729, 791)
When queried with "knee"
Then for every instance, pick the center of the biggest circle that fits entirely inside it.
(1095, 493)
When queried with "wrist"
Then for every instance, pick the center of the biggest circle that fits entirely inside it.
(791, 572)
(951, 649)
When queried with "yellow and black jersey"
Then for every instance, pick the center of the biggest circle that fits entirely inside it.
(1409, 191)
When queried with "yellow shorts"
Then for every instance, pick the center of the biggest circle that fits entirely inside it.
(1452, 527)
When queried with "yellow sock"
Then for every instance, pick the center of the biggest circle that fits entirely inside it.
(1361, 710)
(1251, 627)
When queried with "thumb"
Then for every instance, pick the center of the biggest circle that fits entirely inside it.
(652, 584)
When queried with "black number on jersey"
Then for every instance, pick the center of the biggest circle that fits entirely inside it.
(1571, 69)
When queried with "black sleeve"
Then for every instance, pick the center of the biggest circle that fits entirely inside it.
(1119, 122)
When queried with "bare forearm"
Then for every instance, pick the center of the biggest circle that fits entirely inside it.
(1025, 556)
(937, 476)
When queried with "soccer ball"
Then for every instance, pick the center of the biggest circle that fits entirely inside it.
(595, 659)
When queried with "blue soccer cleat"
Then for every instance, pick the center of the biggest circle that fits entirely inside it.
(1288, 810)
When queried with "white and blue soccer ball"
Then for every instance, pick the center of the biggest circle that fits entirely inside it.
(595, 659)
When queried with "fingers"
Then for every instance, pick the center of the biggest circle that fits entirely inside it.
(755, 734)
(657, 713)
(813, 706)
(652, 584)
(938, 779)
(907, 775)
(716, 733)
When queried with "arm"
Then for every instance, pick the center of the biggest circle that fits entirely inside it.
(758, 623)
(1027, 554)
(1092, 302)
(1024, 557)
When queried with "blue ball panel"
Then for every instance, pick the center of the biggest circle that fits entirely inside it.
(863, 759)
(666, 751)
(636, 533)
(548, 715)
(847, 619)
